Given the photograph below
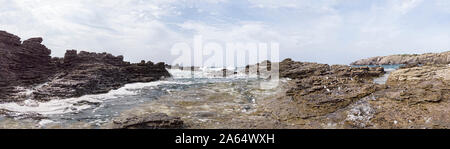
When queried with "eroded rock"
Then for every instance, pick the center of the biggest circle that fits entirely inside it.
(148, 121)
(428, 58)
(29, 63)
(323, 89)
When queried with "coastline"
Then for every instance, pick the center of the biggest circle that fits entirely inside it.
(312, 95)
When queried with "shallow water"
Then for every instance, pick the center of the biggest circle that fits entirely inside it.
(205, 92)
(95, 110)
(387, 68)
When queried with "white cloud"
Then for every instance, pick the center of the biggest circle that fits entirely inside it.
(302, 4)
(443, 5)
(404, 6)
(328, 31)
(120, 27)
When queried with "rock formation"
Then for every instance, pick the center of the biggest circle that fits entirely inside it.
(416, 97)
(344, 97)
(149, 121)
(428, 58)
(29, 63)
(93, 73)
(321, 89)
(22, 63)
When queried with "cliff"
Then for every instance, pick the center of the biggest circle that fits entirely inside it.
(28, 63)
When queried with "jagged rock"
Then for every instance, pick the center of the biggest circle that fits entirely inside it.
(149, 121)
(420, 84)
(319, 95)
(94, 73)
(428, 58)
(321, 89)
(300, 70)
(339, 97)
(22, 64)
(416, 97)
(29, 63)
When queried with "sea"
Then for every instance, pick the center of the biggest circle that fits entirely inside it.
(97, 111)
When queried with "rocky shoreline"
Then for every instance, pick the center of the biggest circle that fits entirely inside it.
(318, 96)
(310, 95)
(27, 65)
(413, 97)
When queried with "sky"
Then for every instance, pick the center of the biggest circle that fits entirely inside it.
(324, 31)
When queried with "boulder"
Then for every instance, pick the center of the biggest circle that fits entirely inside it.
(149, 121)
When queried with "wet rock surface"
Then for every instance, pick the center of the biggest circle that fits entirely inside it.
(28, 63)
(225, 105)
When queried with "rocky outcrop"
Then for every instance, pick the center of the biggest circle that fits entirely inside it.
(416, 97)
(428, 58)
(321, 89)
(93, 73)
(22, 63)
(28, 63)
(420, 84)
(299, 70)
(149, 121)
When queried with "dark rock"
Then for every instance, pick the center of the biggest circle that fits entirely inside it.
(94, 73)
(29, 63)
(150, 121)
(409, 66)
(22, 64)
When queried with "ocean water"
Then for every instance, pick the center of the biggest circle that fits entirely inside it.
(387, 68)
(96, 110)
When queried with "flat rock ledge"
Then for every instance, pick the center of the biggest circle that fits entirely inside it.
(148, 121)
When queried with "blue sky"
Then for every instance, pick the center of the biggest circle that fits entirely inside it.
(325, 31)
